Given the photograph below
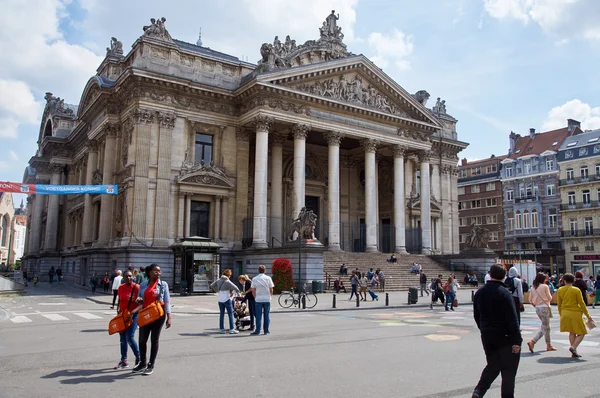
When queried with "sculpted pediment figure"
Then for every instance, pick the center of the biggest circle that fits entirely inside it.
(204, 174)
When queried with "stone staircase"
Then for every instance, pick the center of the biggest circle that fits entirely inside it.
(397, 275)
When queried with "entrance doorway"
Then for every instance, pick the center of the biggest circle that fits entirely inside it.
(312, 203)
(199, 219)
(385, 237)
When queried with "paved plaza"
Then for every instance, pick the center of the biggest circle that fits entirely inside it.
(54, 343)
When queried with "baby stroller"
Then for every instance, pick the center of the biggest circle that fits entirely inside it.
(240, 313)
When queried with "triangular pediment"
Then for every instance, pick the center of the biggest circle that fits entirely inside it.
(201, 174)
(354, 81)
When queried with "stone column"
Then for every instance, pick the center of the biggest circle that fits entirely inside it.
(105, 229)
(218, 217)
(50, 238)
(370, 147)
(88, 210)
(187, 215)
(144, 119)
(424, 158)
(333, 189)
(163, 206)
(454, 202)
(277, 142)
(241, 189)
(259, 229)
(446, 199)
(38, 210)
(399, 199)
(299, 131)
(225, 220)
(180, 215)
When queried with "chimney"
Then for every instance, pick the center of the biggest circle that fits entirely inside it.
(571, 124)
(463, 162)
(531, 133)
(512, 140)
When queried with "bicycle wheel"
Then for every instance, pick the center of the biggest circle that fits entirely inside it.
(311, 300)
(286, 300)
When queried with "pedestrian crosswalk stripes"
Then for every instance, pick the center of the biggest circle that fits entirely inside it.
(87, 315)
(20, 319)
(55, 317)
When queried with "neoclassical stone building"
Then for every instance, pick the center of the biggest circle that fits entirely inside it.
(201, 143)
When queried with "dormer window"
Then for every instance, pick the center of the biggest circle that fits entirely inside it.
(593, 140)
(571, 144)
(555, 143)
(518, 151)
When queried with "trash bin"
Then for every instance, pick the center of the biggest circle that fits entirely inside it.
(413, 295)
(317, 286)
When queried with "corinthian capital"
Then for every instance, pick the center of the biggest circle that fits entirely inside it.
(424, 156)
(56, 168)
(92, 146)
(299, 131)
(110, 129)
(262, 123)
(370, 145)
(166, 119)
(399, 151)
(334, 138)
(143, 116)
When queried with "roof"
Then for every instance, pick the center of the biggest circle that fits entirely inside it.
(579, 140)
(206, 51)
(481, 161)
(104, 82)
(550, 140)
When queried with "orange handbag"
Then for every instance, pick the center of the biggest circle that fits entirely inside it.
(120, 323)
(151, 313)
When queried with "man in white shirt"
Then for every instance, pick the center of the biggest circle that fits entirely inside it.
(115, 287)
(487, 277)
(262, 289)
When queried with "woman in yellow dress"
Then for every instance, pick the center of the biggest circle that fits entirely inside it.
(570, 308)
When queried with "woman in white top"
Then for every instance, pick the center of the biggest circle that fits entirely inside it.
(540, 297)
(364, 283)
(225, 288)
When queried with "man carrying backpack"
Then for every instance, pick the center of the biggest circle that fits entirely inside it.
(515, 287)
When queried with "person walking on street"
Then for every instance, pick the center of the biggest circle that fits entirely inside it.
(151, 290)
(515, 287)
(450, 291)
(94, 282)
(247, 292)
(354, 285)
(115, 287)
(423, 283)
(262, 289)
(364, 283)
(128, 293)
(51, 274)
(581, 285)
(381, 277)
(106, 282)
(224, 287)
(58, 274)
(571, 307)
(141, 276)
(496, 317)
(597, 290)
(540, 298)
(437, 291)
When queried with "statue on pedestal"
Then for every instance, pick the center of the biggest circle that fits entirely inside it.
(304, 225)
(478, 237)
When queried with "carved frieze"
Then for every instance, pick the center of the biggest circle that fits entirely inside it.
(275, 103)
(352, 90)
(414, 135)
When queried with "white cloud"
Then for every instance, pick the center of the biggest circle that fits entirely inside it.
(395, 47)
(14, 156)
(17, 106)
(563, 18)
(574, 109)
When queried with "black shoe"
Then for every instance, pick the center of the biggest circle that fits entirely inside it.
(148, 371)
(430, 306)
(139, 368)
(122, 365)
(475, 394)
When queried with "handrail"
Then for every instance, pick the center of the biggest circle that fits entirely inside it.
(273, 239)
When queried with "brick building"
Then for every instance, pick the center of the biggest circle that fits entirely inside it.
(480, 199)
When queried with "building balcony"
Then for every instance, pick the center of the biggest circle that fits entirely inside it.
(526, 199)
(580, 233)
(579, 180)
(517, 233)
(580, 205)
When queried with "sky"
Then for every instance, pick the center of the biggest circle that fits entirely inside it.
(501, 65)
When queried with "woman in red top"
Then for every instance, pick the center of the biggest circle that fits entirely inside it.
(152, 290)
(127, 293)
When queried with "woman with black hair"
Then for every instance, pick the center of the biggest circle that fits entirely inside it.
(152, 290)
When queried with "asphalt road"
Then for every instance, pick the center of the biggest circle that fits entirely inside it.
(63, 350)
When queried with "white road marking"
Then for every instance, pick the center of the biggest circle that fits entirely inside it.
(55, 317)
(87, 315)
(582, 344)
(20, 319)
(52, 303)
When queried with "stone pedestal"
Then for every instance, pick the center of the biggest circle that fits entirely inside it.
(477, 260)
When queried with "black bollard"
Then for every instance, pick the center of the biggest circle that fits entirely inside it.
(334, 301)
(358, 301)
(303, 302)
(387, 299)
(409, 297)
(472, 295)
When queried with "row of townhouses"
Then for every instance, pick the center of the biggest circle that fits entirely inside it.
(540, 201)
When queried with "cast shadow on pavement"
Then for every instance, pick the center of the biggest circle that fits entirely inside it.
(81, 376)
(560, 360)
(93, 331)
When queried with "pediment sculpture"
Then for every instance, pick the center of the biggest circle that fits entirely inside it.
(288, 54)
(204, 174)
(353, 90)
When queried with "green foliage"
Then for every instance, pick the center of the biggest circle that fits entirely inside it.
(282, 275)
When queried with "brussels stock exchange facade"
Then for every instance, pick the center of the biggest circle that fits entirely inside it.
(203, 144)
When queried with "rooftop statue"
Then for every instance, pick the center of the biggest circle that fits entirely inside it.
(116, 48)
(157, 30)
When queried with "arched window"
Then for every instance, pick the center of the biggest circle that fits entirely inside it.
(48, 129)
(5, 232)
(518, 220)
(534, 218)
(526, 219)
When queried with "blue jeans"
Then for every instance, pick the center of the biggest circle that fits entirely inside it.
(259, 309)
(222, 306)
(128, 338)
(449, 300)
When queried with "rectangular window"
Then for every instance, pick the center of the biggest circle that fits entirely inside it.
(573, 226)
(519, 221)
(510, 224)
(598, 169)
(476, 171)
(571, 196)
(589, 226)
(493, 236)
(199, 218)
(491, 202)
(461, 238)
(462, 222)
(491, 186)
(461, 190)
(476, 204)
(550, 190)
(474, 188)
(589, 245)
(510, 195)
(492, 168)
(527, 167)
(493, 219)
(583, 171)
(549, 164)
(586, 196)
(552, 218)
(509, 171)
(204, 145)
(529, 190)
(478, 220)
(570, 174)
(463, 173)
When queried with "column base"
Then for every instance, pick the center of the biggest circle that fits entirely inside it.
(259, 245)
(371, 249)
(401, 250)
(426, 251)
(334, 248)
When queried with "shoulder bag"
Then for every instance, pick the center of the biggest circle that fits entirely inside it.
(151, 313)
(119, 323)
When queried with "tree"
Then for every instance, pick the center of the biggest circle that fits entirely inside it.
(282, 275)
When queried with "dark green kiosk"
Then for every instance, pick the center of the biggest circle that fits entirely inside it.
(196, 265)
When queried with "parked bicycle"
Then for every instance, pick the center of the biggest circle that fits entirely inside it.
(287, 299)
